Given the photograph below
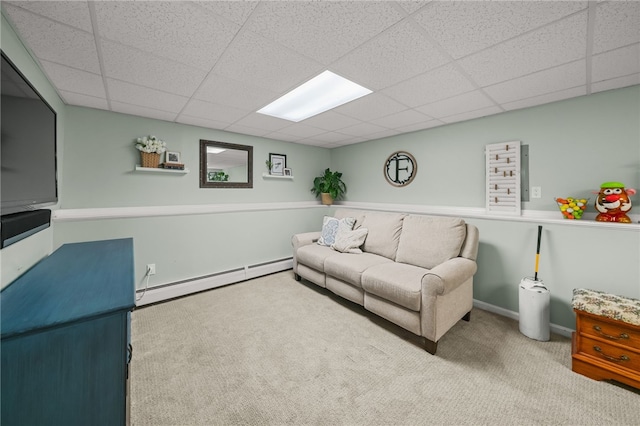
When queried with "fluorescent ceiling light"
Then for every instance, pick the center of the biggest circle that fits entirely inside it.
(321, 93)
(212, 150)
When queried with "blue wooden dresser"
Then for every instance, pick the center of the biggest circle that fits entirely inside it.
(65, 337)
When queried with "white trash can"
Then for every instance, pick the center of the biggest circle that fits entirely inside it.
(534, 300)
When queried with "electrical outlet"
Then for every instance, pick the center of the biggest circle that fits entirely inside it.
(536, 192)
(151, 269)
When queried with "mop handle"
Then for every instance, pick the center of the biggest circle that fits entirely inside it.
(538, 252)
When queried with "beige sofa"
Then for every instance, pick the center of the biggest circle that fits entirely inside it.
(413, 270)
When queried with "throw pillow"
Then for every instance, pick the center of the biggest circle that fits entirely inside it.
(350, 241)
(331, 225)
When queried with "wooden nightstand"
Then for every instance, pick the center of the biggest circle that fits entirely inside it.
(605, 348)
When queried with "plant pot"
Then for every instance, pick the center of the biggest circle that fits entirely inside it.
(150, 159)
(326, 198)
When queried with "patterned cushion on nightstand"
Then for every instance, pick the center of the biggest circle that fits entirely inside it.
(607, 305)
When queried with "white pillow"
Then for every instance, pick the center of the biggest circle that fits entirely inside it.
(330, 227)
(350, 241)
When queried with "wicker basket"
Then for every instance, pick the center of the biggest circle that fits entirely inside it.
(150, 159)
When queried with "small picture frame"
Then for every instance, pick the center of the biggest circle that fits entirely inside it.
(288, 172)
(278, 164)
(172, 157)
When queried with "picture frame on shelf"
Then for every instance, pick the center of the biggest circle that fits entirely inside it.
(173, 157)
(278, 164)
(287, 172)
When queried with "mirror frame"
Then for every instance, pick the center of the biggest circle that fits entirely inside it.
(203, 165)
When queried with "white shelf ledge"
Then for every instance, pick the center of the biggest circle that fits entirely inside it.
(159, 170)
(267, 175)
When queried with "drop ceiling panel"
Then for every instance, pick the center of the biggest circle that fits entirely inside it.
(466, 102)
(483, 112)
(177, 30)
(556, 44)
(323, 31)
(545, 99)
(616, 83)
(616, 63)
(429, 87)
(213, 111)
(420, 126)
(301, 131)
(617, 24)
(246, 130)
(201, 122)
(464, 27)
(331, 120)
(78, 99)
(411, 6)
(145, 97)
(234, 11)
(225, 90)
(215, 63)
(74, 80)
(51, 41)
(540, 83)
(402, 118)
(266, 64)
(364, 129)
(261, 121)
(399, 53)
(142, 111)
(370, 107)
(74, 13)
(145, 69)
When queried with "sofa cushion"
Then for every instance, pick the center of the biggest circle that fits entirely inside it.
(341, 213)
(384, 233)
(349, 267)
(350, 241)
(314, 255)
(331, 226)
(428, 241)
(396, 282)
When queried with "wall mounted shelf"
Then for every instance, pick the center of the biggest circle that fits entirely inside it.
(159, 170)
(268, 176)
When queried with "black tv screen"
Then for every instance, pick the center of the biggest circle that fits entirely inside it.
(27, 146)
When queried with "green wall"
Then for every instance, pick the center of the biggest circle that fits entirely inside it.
(574, 146)
(100, 161)
(101, 158)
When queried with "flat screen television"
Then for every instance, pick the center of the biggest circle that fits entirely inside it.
(28, 177)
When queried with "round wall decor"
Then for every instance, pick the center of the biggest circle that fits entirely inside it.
(400, 168)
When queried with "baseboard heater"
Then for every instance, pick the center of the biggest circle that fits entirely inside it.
(173, 290)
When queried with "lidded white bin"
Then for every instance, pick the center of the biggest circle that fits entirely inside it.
(534, 300)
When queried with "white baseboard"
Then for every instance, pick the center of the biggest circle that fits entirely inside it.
(184, 288)
(555, 328)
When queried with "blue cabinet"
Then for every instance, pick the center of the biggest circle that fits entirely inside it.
(65, 337)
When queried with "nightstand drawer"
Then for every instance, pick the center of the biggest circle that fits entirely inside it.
(613, 354)
(615, 332)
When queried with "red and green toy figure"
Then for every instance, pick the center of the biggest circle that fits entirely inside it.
(613, 202)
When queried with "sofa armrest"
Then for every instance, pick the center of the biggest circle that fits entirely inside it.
(448, 275)
(304, 239)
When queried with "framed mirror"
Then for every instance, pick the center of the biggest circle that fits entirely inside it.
(225, 165)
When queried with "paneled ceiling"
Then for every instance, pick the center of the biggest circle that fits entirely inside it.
(429, 63)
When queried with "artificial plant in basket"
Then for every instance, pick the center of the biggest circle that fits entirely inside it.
(329, 186)
(150, 149)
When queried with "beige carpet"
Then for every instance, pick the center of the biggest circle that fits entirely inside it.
(274, 351)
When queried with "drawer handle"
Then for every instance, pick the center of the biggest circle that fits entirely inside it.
(608, 336)
(609, 357)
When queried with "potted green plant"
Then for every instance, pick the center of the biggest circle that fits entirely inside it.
(329, 186)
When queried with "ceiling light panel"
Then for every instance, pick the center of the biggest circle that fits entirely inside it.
(322, 93)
